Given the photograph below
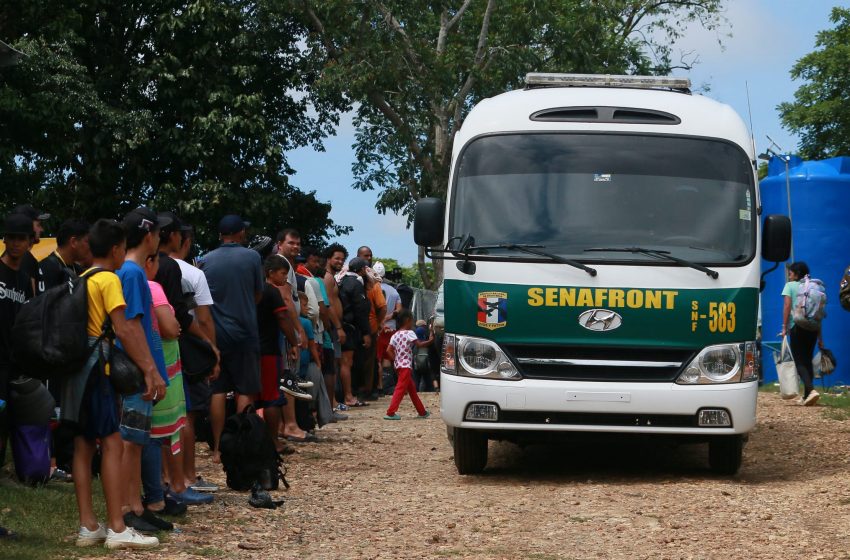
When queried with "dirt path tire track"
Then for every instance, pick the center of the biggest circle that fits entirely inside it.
(389, 490)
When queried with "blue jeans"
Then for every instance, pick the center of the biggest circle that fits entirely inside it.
(152, 471)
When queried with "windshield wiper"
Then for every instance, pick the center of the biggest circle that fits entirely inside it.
(658, 254)
(534, 250)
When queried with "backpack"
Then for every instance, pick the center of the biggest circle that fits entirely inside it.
(810, 305)
(49, 337)
(248, 454)
(844, 290)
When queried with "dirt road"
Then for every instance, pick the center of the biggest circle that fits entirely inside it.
(378, 489)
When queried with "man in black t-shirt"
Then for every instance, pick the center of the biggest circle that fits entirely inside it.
(28, 262)
(72, 254)
(16, 287)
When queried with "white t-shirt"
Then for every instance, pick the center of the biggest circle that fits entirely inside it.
(195, 278)
(402, 343)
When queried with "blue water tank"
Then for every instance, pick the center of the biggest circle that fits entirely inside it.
(820, 222)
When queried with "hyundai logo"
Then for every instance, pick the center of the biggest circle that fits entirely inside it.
(600, 320)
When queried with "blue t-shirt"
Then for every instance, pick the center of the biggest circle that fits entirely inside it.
(308, 329)
(234, 275)
(137, 294)
(393, 299)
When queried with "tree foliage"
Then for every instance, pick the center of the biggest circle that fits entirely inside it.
(413, 69)
(187, 105)
(820, 112)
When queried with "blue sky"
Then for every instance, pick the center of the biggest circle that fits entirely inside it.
(768, 37)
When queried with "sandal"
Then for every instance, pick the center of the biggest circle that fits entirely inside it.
(308, 438)
(357, 404)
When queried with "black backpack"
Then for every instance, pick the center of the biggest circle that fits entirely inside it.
(49, 337)
(844, 290)
(248, 454)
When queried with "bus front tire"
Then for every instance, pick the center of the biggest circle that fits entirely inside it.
(725, 454)
(470, 450)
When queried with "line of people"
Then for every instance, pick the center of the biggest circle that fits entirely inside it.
(296, 333)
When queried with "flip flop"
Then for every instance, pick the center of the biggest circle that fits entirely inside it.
(357, 404)
(308, 438)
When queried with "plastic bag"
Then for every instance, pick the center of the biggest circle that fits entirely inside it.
(789, 384)
(824, 362)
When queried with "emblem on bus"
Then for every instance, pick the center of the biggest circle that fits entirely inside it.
(492, 310)
(600, 320)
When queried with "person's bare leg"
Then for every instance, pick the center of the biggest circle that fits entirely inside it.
(271, 415)
(290, 426)
(345, 375)
(242, 401)
(83, 454)
(131, 470)
(187, 442)
(217, 422)
(111, 477)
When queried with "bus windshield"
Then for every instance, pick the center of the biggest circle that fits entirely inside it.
(569, 192)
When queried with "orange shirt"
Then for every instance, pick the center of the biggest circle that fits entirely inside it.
(375, 295)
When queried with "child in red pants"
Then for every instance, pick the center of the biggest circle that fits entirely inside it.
(400, 351)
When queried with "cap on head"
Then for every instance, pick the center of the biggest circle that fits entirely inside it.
(232, 223)
(379, 269)
(169, 221)
(18, 224)
(145, 218)
(357, 264)
(31, 212)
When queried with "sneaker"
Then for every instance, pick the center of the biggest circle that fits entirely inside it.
(130, 538)
(202, 485)
(91, 538)
(304, 384)
(191, 497)
(289, 385)
(138, 523)
(158, 522)
(59, 475)
(424, 416)
(812, 398)
(341, 407)
(338, 416)
(392, 417)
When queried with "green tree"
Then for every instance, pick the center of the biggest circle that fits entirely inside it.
(414, 68)
(187, 105)
(820, 112)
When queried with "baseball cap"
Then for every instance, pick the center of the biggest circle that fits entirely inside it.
(357, 264)
(175, 223)
(144, 218)
(31, 212)
(17, 223)
(232, 223)
(379, 269)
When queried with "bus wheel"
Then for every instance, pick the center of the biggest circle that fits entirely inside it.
(470, 447)
(725, 454)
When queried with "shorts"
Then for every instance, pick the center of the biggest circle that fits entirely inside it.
(352, 339)
(240, 372)
(197, 395)
(383, 343)
(337, 350)
(328, 362)
(136, 419)
(100, 416)
(270, 369)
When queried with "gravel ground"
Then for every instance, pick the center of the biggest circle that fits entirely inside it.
(378, 489)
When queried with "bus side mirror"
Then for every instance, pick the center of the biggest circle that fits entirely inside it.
(776, 238)
(428, 222)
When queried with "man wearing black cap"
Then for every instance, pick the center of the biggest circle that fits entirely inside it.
(29, 263)
(235, 276)
(17, 287)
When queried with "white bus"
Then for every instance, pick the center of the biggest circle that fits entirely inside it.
(602, 237)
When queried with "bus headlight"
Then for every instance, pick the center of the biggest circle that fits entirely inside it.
(476, 357)
(721, 363)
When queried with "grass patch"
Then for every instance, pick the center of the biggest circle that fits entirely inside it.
(45, 520)
(209, 552)
(836, 407)
(578, 519)
(769, 388)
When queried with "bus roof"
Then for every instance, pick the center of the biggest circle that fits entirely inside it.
(605, 109)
